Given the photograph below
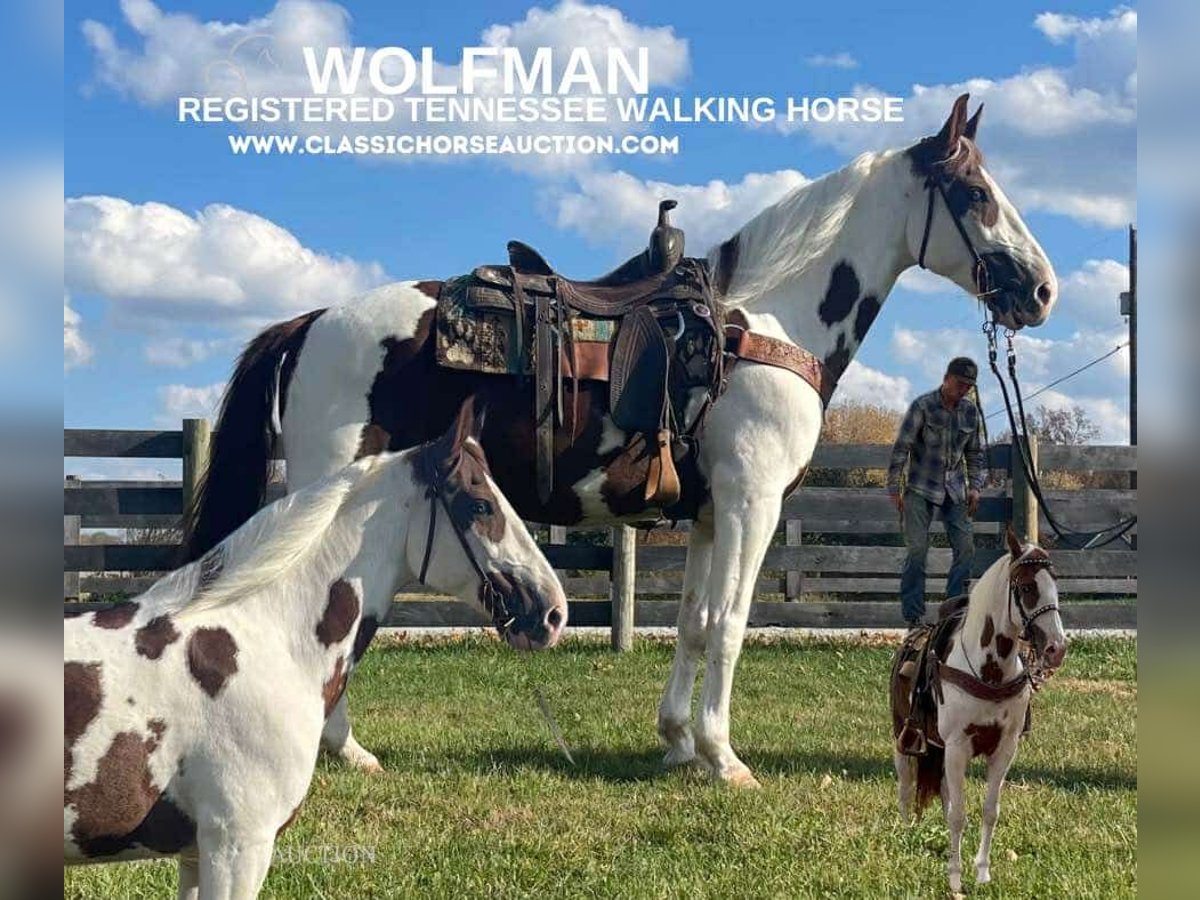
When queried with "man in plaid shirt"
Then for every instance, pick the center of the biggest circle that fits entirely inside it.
(939, 432)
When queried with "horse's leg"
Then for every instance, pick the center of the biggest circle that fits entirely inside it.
(742, 528)
(189, 878)
(958, 754)
(675, 710)
(906, 776)
(233, 862)
(338, 738)
(997, 770)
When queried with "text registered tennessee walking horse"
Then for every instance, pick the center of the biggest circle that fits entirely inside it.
(799, 287)
(960, 689)
(193, 714)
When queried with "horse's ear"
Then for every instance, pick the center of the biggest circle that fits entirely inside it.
(1014, 543)
(972, 125)
(952, 130)
(464, 425)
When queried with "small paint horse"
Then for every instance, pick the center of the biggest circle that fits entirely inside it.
(977, 690)
(193, 714)
(811, 272)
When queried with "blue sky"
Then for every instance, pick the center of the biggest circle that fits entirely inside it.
(1059, 131)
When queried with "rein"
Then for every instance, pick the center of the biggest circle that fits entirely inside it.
(1079, 540)
(492, 598)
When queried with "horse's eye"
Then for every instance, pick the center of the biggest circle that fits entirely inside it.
(481, 508)
(978, 195)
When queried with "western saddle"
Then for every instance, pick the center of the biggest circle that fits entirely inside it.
(651, 328)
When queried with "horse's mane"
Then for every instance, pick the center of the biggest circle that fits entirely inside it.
(785, 239)
(274, 541)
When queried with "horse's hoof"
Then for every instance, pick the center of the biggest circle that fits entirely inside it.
(679, 756)
(983, 875)
(742, 778)
(365, 762)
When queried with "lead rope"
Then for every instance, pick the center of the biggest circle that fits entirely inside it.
(1078, 540)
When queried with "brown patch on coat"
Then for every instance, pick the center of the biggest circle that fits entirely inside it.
(82, 698)
(463, 471)
(727, 260)
(1004, 646)
(990, 671)
(117, 801)
(841, 295)
(373, 441)
(153, 637)
(984, 738)
(334, 687)
(341, 612)
(431, 289)
(211, 658)
(868, 310)
(960, 170)
(989, 632)
(116, 616)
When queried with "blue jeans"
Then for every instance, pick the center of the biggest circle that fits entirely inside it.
(918, 513)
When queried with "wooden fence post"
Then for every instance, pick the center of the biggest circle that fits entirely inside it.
(71, 539)
(1024, 503)
(196, 434)
(794, 583)
(622, 587)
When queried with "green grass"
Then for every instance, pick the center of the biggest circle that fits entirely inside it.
(477, 799)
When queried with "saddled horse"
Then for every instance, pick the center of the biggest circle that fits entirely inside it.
(193, 714)
(960, 689)
(804, 279)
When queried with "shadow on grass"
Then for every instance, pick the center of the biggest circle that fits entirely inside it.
(626, 766)
(872, 768)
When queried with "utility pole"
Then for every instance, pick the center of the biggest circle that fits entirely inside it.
(1129, 310)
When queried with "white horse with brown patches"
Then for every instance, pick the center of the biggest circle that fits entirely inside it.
(982, 693)
(193, 714)
(810, 272)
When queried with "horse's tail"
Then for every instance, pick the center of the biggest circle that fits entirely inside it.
(239, 464)
(931, 769)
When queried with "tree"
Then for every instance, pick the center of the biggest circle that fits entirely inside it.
(1063, 426)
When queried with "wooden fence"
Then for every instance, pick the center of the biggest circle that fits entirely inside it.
(836, 558)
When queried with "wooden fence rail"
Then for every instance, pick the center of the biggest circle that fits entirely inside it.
(840, 541)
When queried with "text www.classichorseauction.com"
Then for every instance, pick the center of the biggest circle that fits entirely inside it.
(493, 87)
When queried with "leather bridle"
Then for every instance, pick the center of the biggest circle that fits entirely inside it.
(1027, 619)
(492, 597)
(983, 280)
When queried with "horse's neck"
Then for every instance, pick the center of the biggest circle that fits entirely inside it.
(855, 217)
(988, 619)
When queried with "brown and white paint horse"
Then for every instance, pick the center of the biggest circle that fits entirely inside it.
(813, 270)
(193, 714)
(1016, 599)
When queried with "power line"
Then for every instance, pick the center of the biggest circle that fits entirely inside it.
(1083, 368)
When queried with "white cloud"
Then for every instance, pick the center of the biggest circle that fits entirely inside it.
(180, 352)
(160, 265)
(181, 401)
(76, 351)
(862, 384)
(614, 208)
(923, 281)
(1058, 139)
(177, 54)
(1091, 294)
(929, 351)
(832, 61)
